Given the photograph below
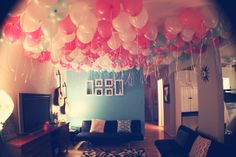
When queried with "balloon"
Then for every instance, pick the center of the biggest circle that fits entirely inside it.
(128, 36)
(210, 16)
(46, 3)
(12, 30)
(80, 45)
(34, 37)
(70, 46)
(37, 12)
(140, 20)
(49, 27)
(19, 8)
(187, 34)
(27, 23)
(44, 56)
(59, 11)
(133, 7)
(114, 42)
(179, 43)
(190, 18)
(121, 22)
(107, 9)
(173, 25)
(169, 36)
(151, 32)
(84, 37)
(89, 24)
(78, 12)
(142, 42)
(176, 54)
(202, 31)
(67, 26)
(105, 28)
(67, 38)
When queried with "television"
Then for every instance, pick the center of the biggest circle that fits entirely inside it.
(33, 111)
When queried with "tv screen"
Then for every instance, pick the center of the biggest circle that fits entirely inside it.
(34, 111)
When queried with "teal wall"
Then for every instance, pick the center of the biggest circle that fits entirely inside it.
(82, 107)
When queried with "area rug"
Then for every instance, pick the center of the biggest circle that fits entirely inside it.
(114, 153)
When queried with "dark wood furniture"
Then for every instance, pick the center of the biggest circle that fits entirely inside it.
(43, 143)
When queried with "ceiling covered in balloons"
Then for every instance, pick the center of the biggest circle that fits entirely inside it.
(113, 35)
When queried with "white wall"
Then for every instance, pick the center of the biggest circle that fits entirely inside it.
(229, 72)
(22, 74)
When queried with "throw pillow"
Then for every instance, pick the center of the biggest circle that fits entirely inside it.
(182, 138)
(123, 125)
(97, 126)
(200, 147)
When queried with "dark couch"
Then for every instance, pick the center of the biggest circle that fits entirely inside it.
(182, 144)
(110, 134)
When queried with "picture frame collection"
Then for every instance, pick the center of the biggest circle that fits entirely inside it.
(107, 87)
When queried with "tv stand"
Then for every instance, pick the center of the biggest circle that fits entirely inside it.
(43, 143)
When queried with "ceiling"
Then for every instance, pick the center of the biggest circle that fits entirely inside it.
(158, 11)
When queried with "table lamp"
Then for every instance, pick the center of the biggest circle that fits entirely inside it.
(6, 107)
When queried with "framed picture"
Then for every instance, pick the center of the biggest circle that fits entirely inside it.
(119, 87)
(166, 94)
(108, 82)
(89, 87)
(109, 91)
(99, 91)
(98, 83)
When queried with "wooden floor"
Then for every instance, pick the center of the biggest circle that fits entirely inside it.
(152, 133)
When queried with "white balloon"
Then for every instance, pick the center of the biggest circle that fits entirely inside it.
(49, 27)
(187, 34)
(210, 16)
(89, 24)
(128, 36)
(151, 32)
(121, 22)
(19, 8)
(84, 37)
(37, 12)
(27, 23)
(140, 20)
(46, 3)
(67, 37)
(114, 42)
(78, 12)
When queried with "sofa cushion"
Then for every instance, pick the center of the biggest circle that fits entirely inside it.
(169, 148)
(200, 147)
(123, 125)
(110, 126)
(86, 124)
(136, 126)
(182, 138)
(97, 125)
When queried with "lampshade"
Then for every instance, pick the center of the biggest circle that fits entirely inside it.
(6, 107)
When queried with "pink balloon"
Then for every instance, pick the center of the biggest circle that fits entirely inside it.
(107, 9)
(67, 25)
(105, 28)
(12, 29)
(142, 42)
(179, 43)
(69, 47)
(80, 45)
(169, 36)
(44, 56)
(143, 30)
(202, 31)
(133, 7)
(190, 18)
(33, 38)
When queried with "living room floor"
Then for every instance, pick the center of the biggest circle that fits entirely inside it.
(152, 133)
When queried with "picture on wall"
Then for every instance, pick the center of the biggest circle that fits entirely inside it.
(89, 87)
(108, 82)
(98, 83)
(166, 94)
(119, 87)
(99, 91)
(109, 91)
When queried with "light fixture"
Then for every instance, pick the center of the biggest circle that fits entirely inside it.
(6, 107)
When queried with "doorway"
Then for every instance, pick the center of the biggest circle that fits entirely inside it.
(160, 103)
